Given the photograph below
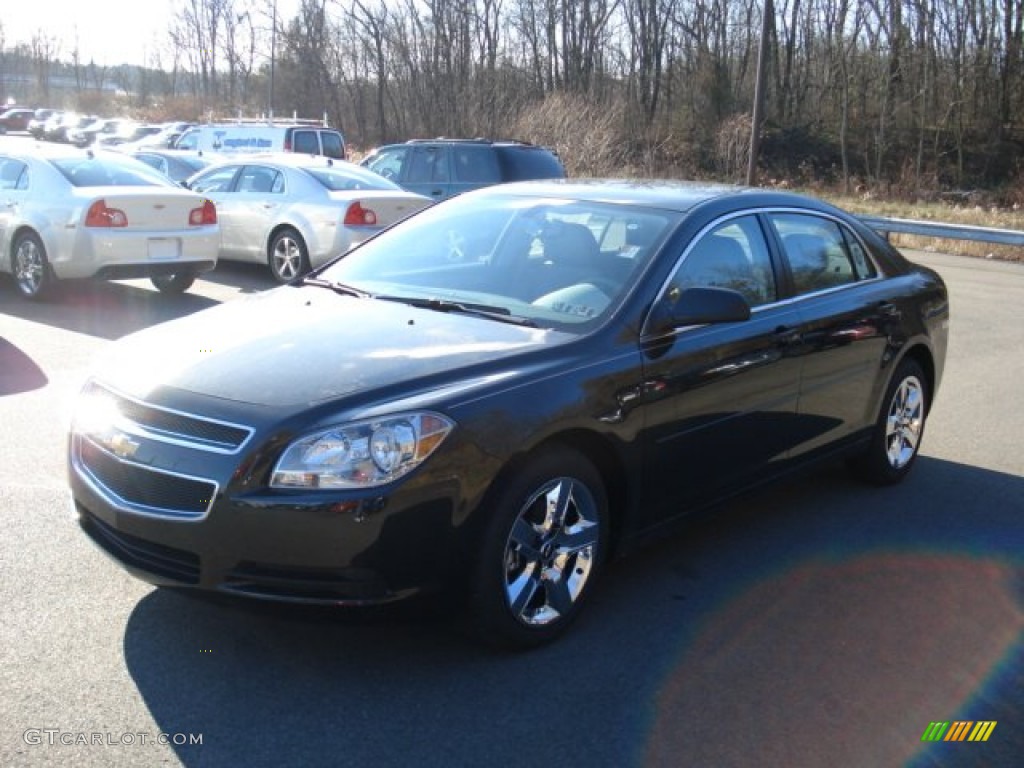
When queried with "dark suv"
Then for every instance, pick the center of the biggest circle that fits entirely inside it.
(441, 168)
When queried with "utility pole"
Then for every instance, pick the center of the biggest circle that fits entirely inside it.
(767, 16)
(273, 53)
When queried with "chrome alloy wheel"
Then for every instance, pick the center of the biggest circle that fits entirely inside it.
(287, 258)
(29, 267)
(905, 422)
(551, 551)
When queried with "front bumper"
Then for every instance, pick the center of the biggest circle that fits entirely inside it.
(179, 512)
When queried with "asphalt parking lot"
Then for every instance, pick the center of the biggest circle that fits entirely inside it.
(818, 623)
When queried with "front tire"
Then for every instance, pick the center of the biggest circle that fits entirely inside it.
(30, 267)
(542, 551)
(896, 439)
(288, 257)
(173, 284)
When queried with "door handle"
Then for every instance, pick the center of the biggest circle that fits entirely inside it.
(888, 309)
(786, 336)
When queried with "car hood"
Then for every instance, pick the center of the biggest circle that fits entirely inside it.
(303, 345)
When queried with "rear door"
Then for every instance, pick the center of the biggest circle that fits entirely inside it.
(256, 203)
(846, 316)
(473, 166)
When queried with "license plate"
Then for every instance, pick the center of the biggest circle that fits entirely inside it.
(164, 248)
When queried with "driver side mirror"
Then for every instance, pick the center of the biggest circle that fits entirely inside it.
(698, 306)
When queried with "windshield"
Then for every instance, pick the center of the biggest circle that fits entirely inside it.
(557, 263)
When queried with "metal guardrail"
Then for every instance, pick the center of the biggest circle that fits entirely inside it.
(887, 227)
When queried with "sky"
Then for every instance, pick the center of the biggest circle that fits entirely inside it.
(111, 32)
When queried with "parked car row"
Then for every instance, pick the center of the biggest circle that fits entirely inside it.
(69, 127)
(170, 215)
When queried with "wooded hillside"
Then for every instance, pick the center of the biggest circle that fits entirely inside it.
(913, 95)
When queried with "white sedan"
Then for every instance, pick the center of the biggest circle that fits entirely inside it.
(296, 212)
(77, 213)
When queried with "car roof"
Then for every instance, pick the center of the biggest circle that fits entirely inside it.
(672, 195)
(292, 159)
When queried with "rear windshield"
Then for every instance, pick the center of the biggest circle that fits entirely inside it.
(525, 163)
(85, 171)
(350, 178)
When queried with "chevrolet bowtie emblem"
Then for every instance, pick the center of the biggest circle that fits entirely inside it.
(123, 446)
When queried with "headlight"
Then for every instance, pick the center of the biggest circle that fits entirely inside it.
(361, 455)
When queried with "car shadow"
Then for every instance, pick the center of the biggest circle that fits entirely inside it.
(247, 278)
(103, 309)
(18, 371)
(819, 622)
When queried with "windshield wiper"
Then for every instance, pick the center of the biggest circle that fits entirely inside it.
(501, 314)
(341, 288)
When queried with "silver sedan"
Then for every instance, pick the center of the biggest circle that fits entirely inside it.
(77, 213)
(296, 212)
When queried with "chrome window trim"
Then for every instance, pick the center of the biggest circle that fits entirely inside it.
(124, 505)
(162, 436)
(789, 300)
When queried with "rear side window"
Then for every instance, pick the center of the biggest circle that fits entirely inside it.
(305, 143)
(475, 164)
(332, 144)
(12, 174)
(260, 180)
(819, 253)
(524, 163)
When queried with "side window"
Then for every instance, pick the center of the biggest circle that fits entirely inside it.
(388, 162)
(862, 264)
(305, 143)
(333, 146)
(258, 179)
(816, 250)
(427, 164)
(188, 140)
(475, 164)
(220, 180)
(732, 255)
(12, 174)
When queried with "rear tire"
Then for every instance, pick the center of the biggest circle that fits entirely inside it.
(174, 284)
(896, 439)
(288, 257)
(542, 551)
(30, 267)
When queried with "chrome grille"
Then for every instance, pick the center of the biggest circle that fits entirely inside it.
(143, 489)
(173, 426)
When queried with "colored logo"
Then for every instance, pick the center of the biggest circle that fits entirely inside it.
(959, 730)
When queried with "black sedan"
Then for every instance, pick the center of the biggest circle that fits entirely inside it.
(498, 394)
